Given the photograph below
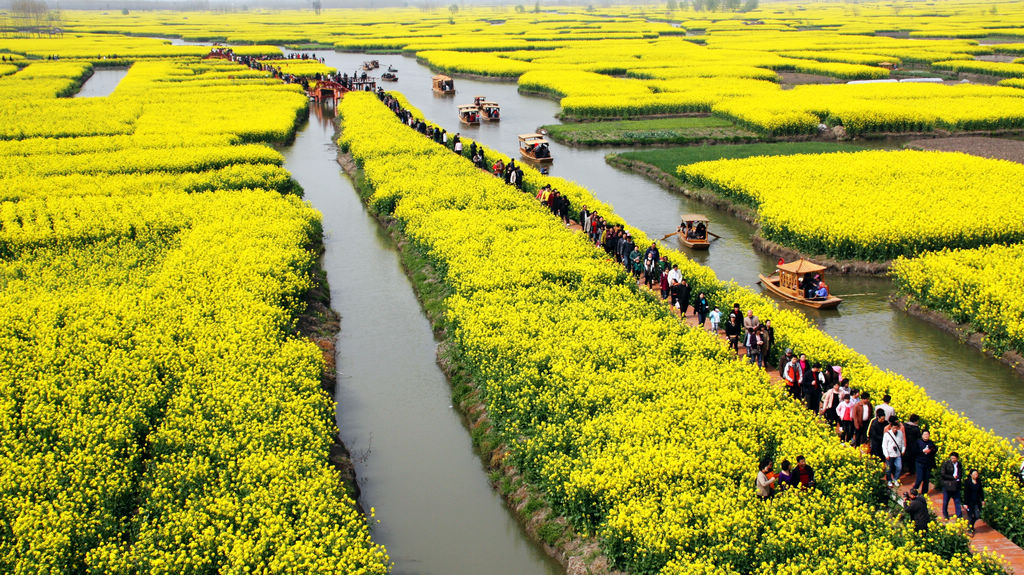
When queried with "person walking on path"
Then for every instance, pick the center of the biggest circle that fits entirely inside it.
(829, 402)
(751, 321)
(913, 433)
(863, 411)
(793, 375)
(917, 510)
(676, 294)
(889, 410)
(715, 317)
(810, 387)
(924, 463)
(845, 413)
(784, 361)
(733, 330)
(768, 335)
(876, 433)
(752, 343)
(700, 308)
(893, 445)
(951, 475)
(974, 498)
(664, 282)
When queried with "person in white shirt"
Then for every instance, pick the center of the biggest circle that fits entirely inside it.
(675, 276)
(889, 410)
(894, 445)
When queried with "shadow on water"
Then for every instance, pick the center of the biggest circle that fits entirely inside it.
(988, 392)
(413, 457)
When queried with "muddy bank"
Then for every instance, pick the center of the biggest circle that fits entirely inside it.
(747, 214)
(578, 554)
(962, 331)
(985, 147)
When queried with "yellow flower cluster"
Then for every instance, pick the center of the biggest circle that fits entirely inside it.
(583, 56)
(890, 107)
(640, 430)
(980, 287)
(100, 47)
(853, 205)
(305, 68)
(1009, 69)
(159, 414)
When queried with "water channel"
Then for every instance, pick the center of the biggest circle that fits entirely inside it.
(413, 457)
(988, 392)
(102, 83)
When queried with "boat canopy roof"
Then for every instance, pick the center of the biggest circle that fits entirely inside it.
(441, 77)
(467, 108)
(531, 137)
(801, 267)
(693, 218)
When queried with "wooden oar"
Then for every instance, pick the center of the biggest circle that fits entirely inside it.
(714, 234)
(667, 236)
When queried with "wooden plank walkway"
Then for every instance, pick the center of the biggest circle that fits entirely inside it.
(985, 537)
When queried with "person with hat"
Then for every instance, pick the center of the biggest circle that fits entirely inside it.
(784, 361)
(733, 330)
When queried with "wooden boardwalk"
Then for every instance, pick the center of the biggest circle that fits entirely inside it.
(985, 538)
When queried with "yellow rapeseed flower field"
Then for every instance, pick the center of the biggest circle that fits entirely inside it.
(874, 205)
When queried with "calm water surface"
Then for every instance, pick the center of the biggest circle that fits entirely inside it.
(102, 82)
(413, 456)
(988, 392)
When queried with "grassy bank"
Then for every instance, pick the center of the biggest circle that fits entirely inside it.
(690, 130)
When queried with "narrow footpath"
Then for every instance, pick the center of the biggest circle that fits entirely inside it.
(985, 537)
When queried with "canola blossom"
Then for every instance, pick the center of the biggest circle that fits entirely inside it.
(979, 287)
(160, 413)
(612, 407)
(855, 205)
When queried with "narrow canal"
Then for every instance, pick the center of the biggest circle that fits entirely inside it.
(102, 83)
(412, 455)
(991, 394)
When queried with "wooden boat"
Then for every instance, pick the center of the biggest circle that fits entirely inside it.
(469, 115)
(389, 77)
(392, 69)
(443, 84)
(490, 111)
(371, 65)
(693, 231)
(535, 147)
(786, 283)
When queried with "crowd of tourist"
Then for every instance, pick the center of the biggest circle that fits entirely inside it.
(902, 445)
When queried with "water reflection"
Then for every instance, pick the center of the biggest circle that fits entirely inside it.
(414, 458)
